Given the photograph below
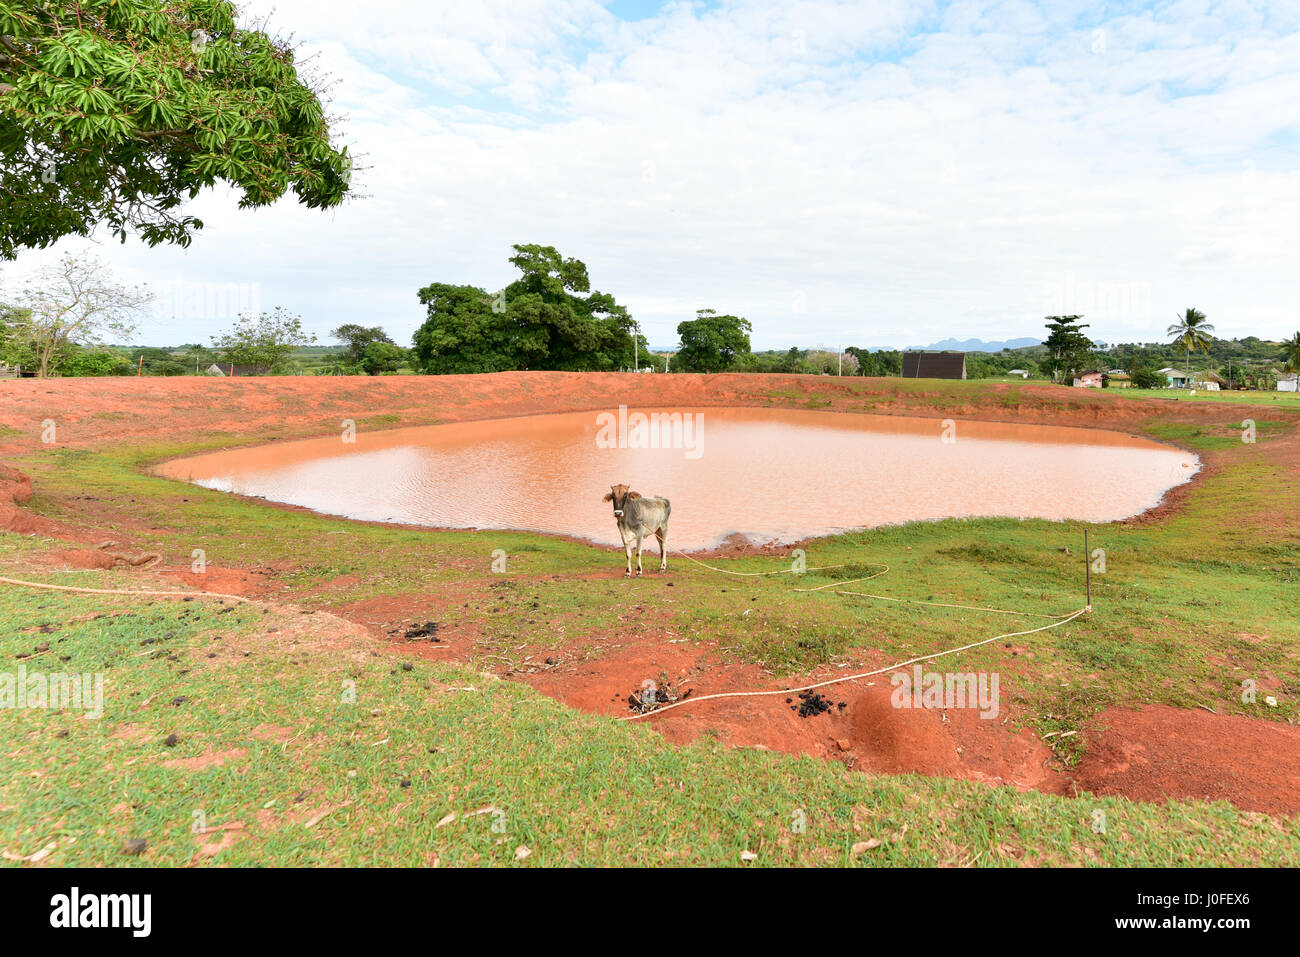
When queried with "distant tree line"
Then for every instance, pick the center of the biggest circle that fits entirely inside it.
(548, 318)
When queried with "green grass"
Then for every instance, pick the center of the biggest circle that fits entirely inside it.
(1163, 591)
(309, 776)
(1186, 610)
(1283, 400)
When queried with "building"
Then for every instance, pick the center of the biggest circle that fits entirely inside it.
(1289, 383)
(934, 365)
(1088, 380)
(1118, 379)
(1023, 373)
(1210, 382)
(1175, 378)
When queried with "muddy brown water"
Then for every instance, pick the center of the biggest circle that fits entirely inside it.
(767, 475)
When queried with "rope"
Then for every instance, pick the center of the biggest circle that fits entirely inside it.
(124, 591)
(724, 571)
(843, 678)
(866, 674)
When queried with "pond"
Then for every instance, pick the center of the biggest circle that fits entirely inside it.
(763, 474)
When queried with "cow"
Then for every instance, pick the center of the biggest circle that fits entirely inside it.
(638, 517)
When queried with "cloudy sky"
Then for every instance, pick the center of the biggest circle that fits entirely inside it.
(882, 173)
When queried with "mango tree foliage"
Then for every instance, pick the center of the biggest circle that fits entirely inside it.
(117, 111)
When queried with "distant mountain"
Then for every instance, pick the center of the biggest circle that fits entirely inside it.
(979, 345)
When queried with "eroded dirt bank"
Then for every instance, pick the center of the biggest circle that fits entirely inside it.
(1154, 754)
(87, 412)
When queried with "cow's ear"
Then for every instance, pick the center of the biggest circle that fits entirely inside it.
(633, 494)
(609, 497)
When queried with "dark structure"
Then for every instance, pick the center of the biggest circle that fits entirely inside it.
(934, 365)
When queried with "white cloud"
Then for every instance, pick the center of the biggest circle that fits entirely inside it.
(899, 172)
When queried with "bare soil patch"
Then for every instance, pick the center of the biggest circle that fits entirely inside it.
(1158, 752)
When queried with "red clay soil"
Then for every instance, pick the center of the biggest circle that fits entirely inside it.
(1156, 754)
(1160, 752)
(15, 491)
(869, 734)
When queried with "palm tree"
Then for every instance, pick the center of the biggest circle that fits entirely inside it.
(1291, 353)
(1191, 331)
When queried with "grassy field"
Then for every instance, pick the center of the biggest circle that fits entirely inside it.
(273, 760)
(272, 756)
(1282, 400)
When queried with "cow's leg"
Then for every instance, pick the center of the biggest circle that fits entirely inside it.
(639, 547)
(663, 550)
(627, 549)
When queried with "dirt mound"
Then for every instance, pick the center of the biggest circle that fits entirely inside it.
(955, 742)
(894, 740)
(228, 581)
(15, 490)
(870, 734)
(1159, 753)
(82, 558)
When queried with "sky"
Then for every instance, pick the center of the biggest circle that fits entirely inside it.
(887, 173)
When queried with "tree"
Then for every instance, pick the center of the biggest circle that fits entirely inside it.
(381, 357)
(16, 348)
(76, 302)
(1144, 375)
(197, 355)
(1192, 332)
(116, 111)
(262, 343)
(87, 362)
(464, 334)
(711, 343)
(537, 322)
(1067, 347)
(1291, 353)
(560, 329)
(356, 339)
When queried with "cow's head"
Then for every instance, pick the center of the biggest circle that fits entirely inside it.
(619, 495)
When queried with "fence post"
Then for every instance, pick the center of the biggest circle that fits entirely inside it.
(1087, 568)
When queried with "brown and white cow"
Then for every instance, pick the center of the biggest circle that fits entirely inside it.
(637, 517)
